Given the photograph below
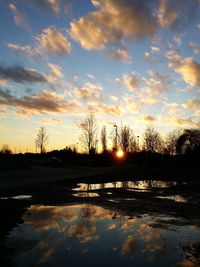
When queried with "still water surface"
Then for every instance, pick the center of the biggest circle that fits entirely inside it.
(137, 185)
(97, 235)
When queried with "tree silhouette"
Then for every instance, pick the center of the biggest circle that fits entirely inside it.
(88, 135)
(42, 139)
(104, 138)
(127, 140)
(152, 140)
(6, 149)
(188, 140)
(171, 142)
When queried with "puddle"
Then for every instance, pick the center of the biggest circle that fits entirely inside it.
(88, 235)
(118, 200)
(85, 194)
(114, 200)
(138, 190)
(176, 198)
(138, 185)
(18, 197)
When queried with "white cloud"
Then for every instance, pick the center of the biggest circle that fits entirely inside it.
(155, 49)
(147, 55)
(19, 18)
(131, 104)
(90, 76)
(177, 40)
(174, 58)
(47, 5)
(114, 98)
(26, 49)
(195, 48)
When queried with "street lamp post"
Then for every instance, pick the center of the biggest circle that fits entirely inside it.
(138, 143)
(116, 135)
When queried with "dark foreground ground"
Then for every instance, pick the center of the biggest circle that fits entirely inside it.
(55, 186)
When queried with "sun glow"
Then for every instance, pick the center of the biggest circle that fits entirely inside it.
(119, 153)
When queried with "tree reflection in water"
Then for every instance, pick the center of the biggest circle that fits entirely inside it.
(72, 235)
(144, 184)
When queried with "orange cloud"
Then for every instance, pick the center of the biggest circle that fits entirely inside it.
(193, 104)
(113, 21)
(129, 245)
(54, 42)
(130, 81)
(89, 91)
(166, 15)
(121, 54)
(45, 102)
(149, 118)
(190, 71)
(103, 108)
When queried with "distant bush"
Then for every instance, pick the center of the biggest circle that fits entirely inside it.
(5, 150)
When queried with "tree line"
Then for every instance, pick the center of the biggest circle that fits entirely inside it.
(123, 137)
(176, 142)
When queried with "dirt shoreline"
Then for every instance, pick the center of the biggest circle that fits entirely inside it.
(45, 175)
(37, 176)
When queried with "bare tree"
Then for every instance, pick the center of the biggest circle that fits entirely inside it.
(171, 142)
(6, 149)
(88, 136)
(134, 146)
(104, 138)
(152, 140)
(42, 139)
(126, 139)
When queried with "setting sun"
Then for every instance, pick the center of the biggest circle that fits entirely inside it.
(119, 153)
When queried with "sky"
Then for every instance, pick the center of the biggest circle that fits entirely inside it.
(130, 62)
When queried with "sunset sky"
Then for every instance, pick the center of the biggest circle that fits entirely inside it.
(129, 61)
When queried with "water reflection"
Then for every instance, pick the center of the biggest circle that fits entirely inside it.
(81, 235)
(176, 198)
(22, 197)
(139, 185)
(86, 194)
